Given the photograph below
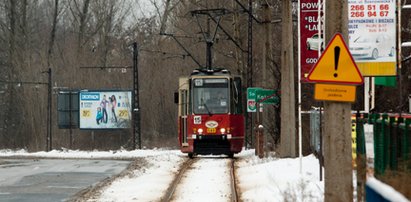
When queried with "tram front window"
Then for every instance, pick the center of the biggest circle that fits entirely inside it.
(210, 96)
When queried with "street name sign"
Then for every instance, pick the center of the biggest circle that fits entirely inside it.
(260, 95)
(251, 99)
(267, 96)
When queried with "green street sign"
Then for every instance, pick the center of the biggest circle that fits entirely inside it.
(260, 95)
(267, 96)
(251, 99)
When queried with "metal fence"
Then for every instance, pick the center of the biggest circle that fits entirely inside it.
(391, 141)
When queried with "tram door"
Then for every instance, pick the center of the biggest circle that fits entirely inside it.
(183, 109)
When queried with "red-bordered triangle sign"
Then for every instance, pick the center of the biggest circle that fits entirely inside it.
(336, 65)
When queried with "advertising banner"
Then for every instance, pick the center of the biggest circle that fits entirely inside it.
(105, 109)
(311, 42)
(372, 34)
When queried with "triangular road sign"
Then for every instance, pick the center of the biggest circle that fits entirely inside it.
(336, 65)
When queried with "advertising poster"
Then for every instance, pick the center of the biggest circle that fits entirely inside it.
(105, 109)
(311, 43)
(372, 34)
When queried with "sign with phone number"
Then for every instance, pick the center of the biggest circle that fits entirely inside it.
(372, 10)
(372, 34)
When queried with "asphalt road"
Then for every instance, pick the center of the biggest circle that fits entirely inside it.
(52, 179)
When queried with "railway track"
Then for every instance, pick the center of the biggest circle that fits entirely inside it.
(234, 191)
(199, 165)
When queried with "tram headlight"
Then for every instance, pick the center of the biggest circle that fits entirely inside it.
(200, 131)
(222, 130)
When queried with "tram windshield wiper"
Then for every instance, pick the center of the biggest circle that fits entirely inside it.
(205, 105)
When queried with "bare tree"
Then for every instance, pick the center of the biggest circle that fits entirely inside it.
(53, 32)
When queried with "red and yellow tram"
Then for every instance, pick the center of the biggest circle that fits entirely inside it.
(210, 113)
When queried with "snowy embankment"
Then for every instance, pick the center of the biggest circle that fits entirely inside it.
(268, 179)
(259, 179)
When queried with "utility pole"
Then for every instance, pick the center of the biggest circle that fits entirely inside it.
(266, 63)
(288, 130)
(337, 120)
(249, 74)
(49, 110)
(136, 100)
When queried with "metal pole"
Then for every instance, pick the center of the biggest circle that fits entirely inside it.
(209, 56)
(300, 125)
(71, 119)
(398, 59)
(249, 74)
(321, 157)
(136, 100)
(50, 143)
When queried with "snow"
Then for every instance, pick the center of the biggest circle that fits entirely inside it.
(209, 180)
(145, 184)
(273, 179)
(267, 179)
(386, 191)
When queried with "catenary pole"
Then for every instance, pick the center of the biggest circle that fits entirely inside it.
(136, 100)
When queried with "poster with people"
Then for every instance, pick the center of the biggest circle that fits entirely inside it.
(105, 109)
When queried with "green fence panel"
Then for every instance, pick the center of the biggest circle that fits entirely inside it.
(393, 143)
(360, 136)
(379, 145)
(405, 136)
(385, 133)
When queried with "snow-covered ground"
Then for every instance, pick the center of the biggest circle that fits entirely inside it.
(268, 179)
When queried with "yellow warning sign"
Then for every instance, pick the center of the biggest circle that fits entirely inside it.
(333, 92)
(336, 65)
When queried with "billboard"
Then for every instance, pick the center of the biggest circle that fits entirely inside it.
(372, 36)
(311, 41)
(67, 108)
(105, 109)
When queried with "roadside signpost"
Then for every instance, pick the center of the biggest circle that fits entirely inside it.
(335, 74)
(256, 97)
(251, 99)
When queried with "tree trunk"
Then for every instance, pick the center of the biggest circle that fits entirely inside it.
(81, 33)
(53, 32)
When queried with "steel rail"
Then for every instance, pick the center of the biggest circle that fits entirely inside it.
(171, 189)
(234, 191)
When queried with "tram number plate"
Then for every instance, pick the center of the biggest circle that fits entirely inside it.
(211, 130)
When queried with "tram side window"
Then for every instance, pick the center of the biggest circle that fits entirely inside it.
(237, 96)
(190, 101)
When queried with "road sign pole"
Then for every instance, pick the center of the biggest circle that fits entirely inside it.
(337, 124)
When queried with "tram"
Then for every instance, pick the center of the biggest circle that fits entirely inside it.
(210, 113)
